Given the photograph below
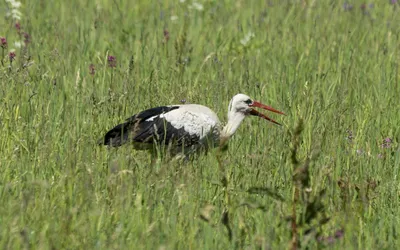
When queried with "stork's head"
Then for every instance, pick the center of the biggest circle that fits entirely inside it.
(242, 103)
(241, 106)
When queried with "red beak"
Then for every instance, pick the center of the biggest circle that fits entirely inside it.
(260, 105)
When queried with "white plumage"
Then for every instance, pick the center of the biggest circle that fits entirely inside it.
(194, 119)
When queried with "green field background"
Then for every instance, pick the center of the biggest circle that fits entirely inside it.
(332, 66)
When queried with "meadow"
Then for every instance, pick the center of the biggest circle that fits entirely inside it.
(327, 178)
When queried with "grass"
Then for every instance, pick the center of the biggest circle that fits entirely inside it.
(330, 183)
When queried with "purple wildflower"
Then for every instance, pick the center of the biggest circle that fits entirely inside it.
(166, 35)
(18, 27)
(387, 143)
(3, 42)
(350, 136)
(347, 6)
(339, 234)
(27, 39)
(331, 238)
(112, 61)
(363, 8)
(393, 1)
(11, 55)
(92, 69)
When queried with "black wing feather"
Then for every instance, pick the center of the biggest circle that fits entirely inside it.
(163, 132)
(137, 129)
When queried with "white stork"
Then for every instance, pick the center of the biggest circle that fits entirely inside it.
(186, 127)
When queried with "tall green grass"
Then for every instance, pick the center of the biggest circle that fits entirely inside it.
(336, 70)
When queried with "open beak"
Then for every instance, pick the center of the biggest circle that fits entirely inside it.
(260, 105)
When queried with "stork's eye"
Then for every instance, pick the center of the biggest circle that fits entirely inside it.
(249, 101)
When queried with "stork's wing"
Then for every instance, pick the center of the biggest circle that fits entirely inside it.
(181, 125)
(137, 124)
(160, 129)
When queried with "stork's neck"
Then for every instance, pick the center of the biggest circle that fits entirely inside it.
(234, 121)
